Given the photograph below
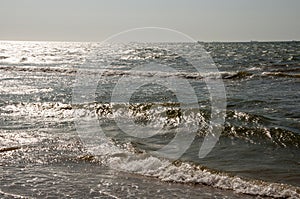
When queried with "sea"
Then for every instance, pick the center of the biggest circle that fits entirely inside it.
(87, 120)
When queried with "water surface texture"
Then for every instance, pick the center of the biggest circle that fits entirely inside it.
(42, 155)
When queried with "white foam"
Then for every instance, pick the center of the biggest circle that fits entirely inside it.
(187, 173)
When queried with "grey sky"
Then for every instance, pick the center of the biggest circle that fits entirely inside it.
(95, 20)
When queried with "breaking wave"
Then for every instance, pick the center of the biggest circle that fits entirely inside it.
(131, 158)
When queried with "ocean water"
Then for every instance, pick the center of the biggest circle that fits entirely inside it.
(49, 148)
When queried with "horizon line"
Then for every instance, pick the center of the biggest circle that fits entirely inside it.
(199, 41)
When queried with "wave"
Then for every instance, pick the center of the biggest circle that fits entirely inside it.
(114, 72)
(38, 69)
(189, 173)
(244, 126)
(131, 158)
(237, 75)
(135, 161)
(281, 74)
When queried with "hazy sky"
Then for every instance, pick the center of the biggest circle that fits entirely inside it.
(95, 20)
